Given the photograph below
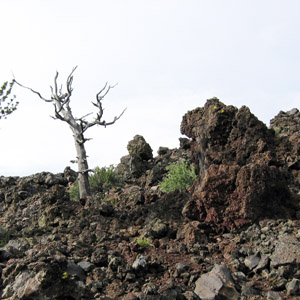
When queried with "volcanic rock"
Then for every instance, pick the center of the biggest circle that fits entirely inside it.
(239, 179)
(52, 247)
(216, 284)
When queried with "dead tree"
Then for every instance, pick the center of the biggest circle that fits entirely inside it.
(63, 112)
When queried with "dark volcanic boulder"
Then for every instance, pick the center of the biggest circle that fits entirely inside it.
(137, 162)
(240, 179)
(140, 148)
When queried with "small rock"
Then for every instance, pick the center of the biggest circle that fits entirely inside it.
(287, 251)
(271, 295)
(149, 289)
(249, 291)
(263, 263)
(159, 229)
(106, 209)
(23, 194)
(162, 150)
(240, 276)
(75, 271)
(114, 262)
(251, 261)
(217, 283)
(139, 263)
(86, 266)
(293, 287)
(181, 267)
(292, 111)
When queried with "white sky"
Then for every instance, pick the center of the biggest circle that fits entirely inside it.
(168, 57)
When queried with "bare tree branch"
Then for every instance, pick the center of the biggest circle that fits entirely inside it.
(35, 92)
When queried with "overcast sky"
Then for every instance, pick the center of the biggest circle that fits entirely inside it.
(167, 56)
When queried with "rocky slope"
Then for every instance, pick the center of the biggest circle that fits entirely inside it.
(234, 235)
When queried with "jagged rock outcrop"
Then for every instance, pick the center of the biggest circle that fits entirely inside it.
(241, 179)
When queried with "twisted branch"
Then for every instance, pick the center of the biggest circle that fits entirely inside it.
(62, 110)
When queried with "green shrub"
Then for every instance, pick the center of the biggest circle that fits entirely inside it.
(180, 176)
(104, 179)
(143, 242)
(74, 190)
(101, 181)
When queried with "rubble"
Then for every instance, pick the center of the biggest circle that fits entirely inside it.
(233, 235)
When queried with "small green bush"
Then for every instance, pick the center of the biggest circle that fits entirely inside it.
(180, 176)
(104, 179)
(143, 242)
(74, 190)
(101, 181)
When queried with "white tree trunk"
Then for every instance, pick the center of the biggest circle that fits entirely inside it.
(83, 177)
(83, 168)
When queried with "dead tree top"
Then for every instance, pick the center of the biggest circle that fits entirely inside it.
(61, 102)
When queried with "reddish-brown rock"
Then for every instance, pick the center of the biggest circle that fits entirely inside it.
(240, 179)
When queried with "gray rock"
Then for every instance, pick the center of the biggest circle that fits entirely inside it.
(292, 111)
(114, 262)
(287, 251)
(73, 270)
(293, 286)
(139, 263)
(181, 267)
(271, 295)
(86, 266)
(149, 288)
(249, 291)
(25, 284)
(263, 263)
(159, 229)
(251, 261)
(240, 276)
(217, 283)
(162, 150)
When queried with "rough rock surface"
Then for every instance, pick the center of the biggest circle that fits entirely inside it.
(241, 177)
(218, 283)
(53, 247)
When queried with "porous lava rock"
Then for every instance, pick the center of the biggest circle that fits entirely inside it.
(286, 126)
(139, 147)
(136, 163)
(240, 179)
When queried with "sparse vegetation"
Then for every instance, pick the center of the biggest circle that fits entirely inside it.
(101, 181)
(143, 242)
(104, 179)
(180, 176)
